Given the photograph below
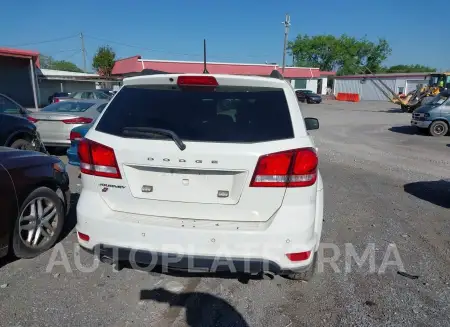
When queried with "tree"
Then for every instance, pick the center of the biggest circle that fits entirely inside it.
(67, 66)
(344, 54)
(47, 62)
(409, 69)
(104, 60)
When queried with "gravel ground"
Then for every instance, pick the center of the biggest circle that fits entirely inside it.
(385, 192)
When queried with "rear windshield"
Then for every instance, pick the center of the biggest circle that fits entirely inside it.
(68, 106)
(228, 114)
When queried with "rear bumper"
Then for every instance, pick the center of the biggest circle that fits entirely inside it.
(421, 123)
(138, 238)
(191, 263)
(72, 155)
(54, 143)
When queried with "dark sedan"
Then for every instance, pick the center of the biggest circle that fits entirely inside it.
(34, 199)
(308, 96)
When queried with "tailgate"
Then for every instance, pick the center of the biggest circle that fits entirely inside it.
(189, 184)
(226, 126)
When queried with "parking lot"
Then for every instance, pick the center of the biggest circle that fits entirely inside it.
(385, 185)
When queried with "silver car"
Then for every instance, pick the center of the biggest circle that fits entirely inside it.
(55, 121)
(84, 95)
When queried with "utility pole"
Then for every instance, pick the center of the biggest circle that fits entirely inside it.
(83, 50)
(287, 23)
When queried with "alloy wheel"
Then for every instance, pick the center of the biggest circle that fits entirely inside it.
(38, 222)
(439, 129)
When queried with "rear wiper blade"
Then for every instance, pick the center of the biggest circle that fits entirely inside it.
(146, 131)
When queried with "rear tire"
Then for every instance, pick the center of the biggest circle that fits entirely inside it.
(306, 275)
(50, 206)
(438, 128)
(22, 144)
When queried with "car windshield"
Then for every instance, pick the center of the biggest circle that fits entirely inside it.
(61, 94)
(228, 114)
(102, 95)
(439, 99)
(68, 106)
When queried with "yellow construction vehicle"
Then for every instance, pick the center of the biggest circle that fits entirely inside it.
(433, 85)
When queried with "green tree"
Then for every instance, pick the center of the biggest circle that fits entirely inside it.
(409, 69)
(67, 66)
(104, 60)
(344, 54)
(47, 62)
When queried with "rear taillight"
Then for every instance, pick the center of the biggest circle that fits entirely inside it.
(293, 168)
(31, 119)
(78, 120)
(97, 159)
(55, 100)
(74, 136)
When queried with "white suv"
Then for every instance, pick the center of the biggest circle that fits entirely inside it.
(203, 172)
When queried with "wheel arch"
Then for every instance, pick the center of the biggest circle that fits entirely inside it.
(25, 134)
(49, 183)
(443, 120)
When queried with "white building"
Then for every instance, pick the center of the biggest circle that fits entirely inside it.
(317, 83)
(369, 87)
(51, 81)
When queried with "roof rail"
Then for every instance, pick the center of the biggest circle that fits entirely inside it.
(276, 74)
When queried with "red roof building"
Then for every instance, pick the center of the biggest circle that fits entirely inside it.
(136, 64)
(298, 75)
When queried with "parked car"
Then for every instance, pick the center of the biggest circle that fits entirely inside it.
(308, 96)
(164, 165)
(84, 95)
(55, 121)
(56, 95)
(434, 116)
(76, 134)
(11, 107)
(34, 197)
(107, 92)
(16, 131)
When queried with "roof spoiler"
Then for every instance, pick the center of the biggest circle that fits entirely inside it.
(276, 74)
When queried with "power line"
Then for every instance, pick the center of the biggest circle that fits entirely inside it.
(72, 55)
(41, 42)
(67, 50)
(139, 47)
(162, 51)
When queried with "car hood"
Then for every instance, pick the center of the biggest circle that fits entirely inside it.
(425, 108)
(13, 158)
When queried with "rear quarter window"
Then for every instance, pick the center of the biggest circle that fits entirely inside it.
(228, 114)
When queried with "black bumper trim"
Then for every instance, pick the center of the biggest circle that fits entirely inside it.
(187, 263)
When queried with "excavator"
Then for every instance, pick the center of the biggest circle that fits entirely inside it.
(433, 85)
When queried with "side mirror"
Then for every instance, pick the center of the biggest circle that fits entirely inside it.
(311, 123)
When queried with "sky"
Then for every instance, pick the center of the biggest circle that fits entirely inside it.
(247, 31)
